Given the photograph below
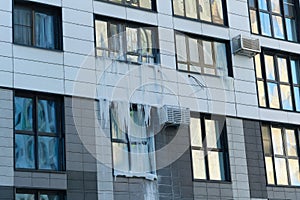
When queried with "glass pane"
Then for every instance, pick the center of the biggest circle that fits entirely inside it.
(101, 34)
(182, 66)
(208, 53)
(217, 11)
(145, 4)
(277, 141)
(23, 113)
(204, 9)
(290, 25)
(47, 121)
(212, 134)
(146, 41)
(132, 39)
(286, 97)
(294, 172)
(48, 153)
(289, 8)
(25, 197)
(266, 140)
(261, 93)
(24, 151)
(198, 164)
(49, 197)
(252, 3)
(140, 158)
(291, 144)
(269, 170)
(44, 30)
(262, 4)
(297, 97)
(194, 68)
(22, 26)
(194, 51)
(216, 165)
(221, 58)
(120, 157)
(281, 171)
(195, 131)
(258, 66)
(265, 24)
(22, 35)
(278, 27)
(270, 71)
(275, 5)
(282, 68)
(178, 7)
(273, 95)
(295, 71)
(254, 25)
(181, 48)
(191, 8)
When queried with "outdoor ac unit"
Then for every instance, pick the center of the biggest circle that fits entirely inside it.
(245, 46)
(174, 115)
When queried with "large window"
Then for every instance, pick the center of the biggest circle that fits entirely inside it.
(201, 55)
(132, 140)
(281, 147)
(39, 140)
(278, 81)
(144, 4)
(209, 149)
(127, 42)
(37, 25)
(274, 18)
(205, 10)
(27, 194)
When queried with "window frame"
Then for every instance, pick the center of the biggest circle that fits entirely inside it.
(38, 192)
(270, 14)
(224, 10)
(128, 143)
(60, 133)
(124, 3)
(34, 7)
(201, 57)
(224, 147)
(275, 55)
(285, 156)
(124, 25)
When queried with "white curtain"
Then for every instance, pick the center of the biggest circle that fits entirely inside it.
(44, 31)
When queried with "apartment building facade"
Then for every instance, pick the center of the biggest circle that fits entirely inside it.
(149, 99)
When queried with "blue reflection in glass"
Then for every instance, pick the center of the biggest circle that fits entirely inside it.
(47, 116)
(291, 29)
(49, 197)
(24, 151)
(265, 24)
(262, 4)
(295, 71)
(48, 153)
(297, 97)
(25, 197)
(23, 114)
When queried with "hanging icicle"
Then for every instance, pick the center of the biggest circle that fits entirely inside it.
(104, 112)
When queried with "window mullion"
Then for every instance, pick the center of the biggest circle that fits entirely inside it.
(204, 143)
(273, 155)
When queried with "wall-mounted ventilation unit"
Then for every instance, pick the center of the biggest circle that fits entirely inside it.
(245, 46)
(174, 115)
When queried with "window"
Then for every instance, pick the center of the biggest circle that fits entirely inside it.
(274, 18)
(126, 42)
(39, 140)
(281, 147)
(132, 140)
(143, 4)
(201, 55)
(39, 195)
(209, 149)
(205, 10)
(278, 81)
(37, 25)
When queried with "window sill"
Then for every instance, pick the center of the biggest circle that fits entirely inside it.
(128, 6)
(40, 171)
(270, 37)
(274, 109)
(147, 176)
(212, 181)
(285, 186)
(40, 48)
(201, 21)
(208, 75)
(128, 62)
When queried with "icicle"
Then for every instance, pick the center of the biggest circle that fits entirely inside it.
(147, 118)
(122, 111)
(104, 112)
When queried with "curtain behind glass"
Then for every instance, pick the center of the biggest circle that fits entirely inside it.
(22, 26)
(44, 31)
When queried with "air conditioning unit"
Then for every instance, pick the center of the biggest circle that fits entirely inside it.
(245, 46)
(174, 115)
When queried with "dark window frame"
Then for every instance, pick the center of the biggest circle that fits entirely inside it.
(276, 54)
(38, 192)
(124, 3)
(224, 147)
(206, 39)
(270, 13)
(60, 135)
(54, 11)
(286, 157)
(128, 24)
(224, 10)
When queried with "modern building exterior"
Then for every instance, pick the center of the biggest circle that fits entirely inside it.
(149, 99)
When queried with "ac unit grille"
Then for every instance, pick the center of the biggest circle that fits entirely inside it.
(175, 115)
(245, 46)
(251, 44)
